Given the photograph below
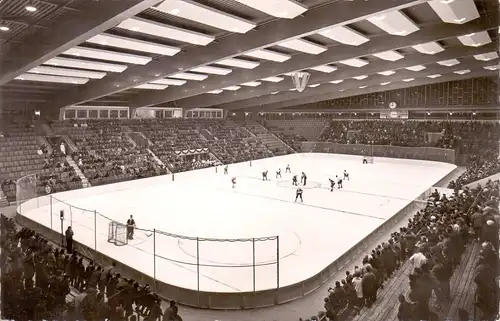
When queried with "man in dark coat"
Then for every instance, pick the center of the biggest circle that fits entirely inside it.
(369, 284)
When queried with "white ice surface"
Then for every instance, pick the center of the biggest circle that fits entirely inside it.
(203, 204)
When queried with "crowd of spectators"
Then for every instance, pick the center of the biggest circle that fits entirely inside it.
(433, 241)
(292, 140)
(43, 282)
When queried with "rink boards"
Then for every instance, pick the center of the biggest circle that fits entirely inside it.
(315, 238)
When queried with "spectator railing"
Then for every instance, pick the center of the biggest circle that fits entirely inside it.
(422, 153)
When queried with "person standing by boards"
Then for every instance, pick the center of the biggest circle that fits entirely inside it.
(130, 228)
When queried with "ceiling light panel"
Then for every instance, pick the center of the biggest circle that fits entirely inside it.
(303, 45)
(189, 76)
(232, 88)
(215, 92)
(325, 68)
(429, 48)
(251, 84)
(82, 64)
(286, 9)
(336, 82)
(345, 35)
(462, 72)
(385, 83)
(362, 77)
(394, 23)
(169, 32)
(386, 73)
(167, 81)
(408, 79)
(54, 79)
(354, 62)
(212, 70)
(152, 86)
(416, 68)
(390, 55)
(449, 63)
(46, 70)
(133, 44)
(268, 55)
(238, 63)
(475, 39)
(273, 79)
(487, 56)
(274, 92)
(455, 11)
(314, 85)
(191, 10)
(434, 76)
(107, 55)
(494, 67)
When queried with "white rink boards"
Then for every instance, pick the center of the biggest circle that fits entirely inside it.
(203, 204)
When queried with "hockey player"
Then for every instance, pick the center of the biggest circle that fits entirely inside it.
(303, 179)
(298, 194)
(278, 173)
(225, 170)
(233, 181)
(339, 181)
(287, 169)
(130, 228)
(332, 184)
(346, 175)
(294, 180)
(264, 176)
(365, 161)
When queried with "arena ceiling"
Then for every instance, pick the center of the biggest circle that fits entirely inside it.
(235, 53)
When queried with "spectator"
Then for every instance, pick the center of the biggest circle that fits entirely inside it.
(69, 239)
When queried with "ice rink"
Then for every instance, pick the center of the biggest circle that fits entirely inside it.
(203, 204)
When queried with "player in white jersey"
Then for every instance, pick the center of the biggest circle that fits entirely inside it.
(346, 175)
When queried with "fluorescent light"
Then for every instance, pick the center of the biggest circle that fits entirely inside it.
(30, 8)
(273, 79)
(408, 79)
(344, 35)
(292, 89)
(360, 77)
(251, 84)
(268, 55)
(386, 73)
(215, 92)
(303, 45)
(133, 44)
(325, 68)
(390, 55)
(449, 63)
(189, 76)
(239, 63)
(286, 9)
(336, 82)
(434, 76)
(212, 70)
(487, 56)
(475, 39)
(67, 72)
(354, 62)
(314, 85)
(167, 81)
(55, 79)
(82, 64)
(232, 88)
(385, 83)
(458, 12)
(429, 48)
(169, 32)
(4, 28)
(416, 68)
(394, 23)
(152, 87)
(107, 55)
(462, 72)
(191, 10)
(495, 67)
(274, 92)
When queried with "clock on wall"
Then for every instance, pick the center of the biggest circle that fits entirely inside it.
(392, 105)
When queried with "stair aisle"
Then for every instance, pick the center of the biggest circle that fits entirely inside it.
(273, 143)
(85, 181)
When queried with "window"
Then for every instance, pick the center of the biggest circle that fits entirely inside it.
(103, 113)
(69, 114)
(113, 113)
(93, 113)
(81, 114)
(123, 113)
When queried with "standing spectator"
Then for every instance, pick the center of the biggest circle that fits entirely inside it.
(62, 147)
(369, 286)
(358, 287)
(69, 239)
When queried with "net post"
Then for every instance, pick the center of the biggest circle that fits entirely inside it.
(253, 262)
(95, 230)
(50, 209)
(154, 260)
(198, 269)
(277, 262)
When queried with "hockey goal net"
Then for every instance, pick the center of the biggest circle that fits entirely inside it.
(367, 159)
(117, 234)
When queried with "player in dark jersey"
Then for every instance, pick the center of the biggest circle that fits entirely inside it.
(339, 182)
(130, 228)
(303, 179)
(332, 184)
(346, 175)
(294, 180)
(278, 173)
(298, 195)
(233, 181)
(264, 176)
(287, 169)
(225, 170)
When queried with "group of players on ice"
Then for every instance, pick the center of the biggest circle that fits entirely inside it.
(303, 180)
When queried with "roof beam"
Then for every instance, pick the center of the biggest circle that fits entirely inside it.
(348, 85)
(336, 13)
(207, 100)
(72, 29)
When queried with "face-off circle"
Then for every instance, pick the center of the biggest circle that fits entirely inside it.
(288, 184)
